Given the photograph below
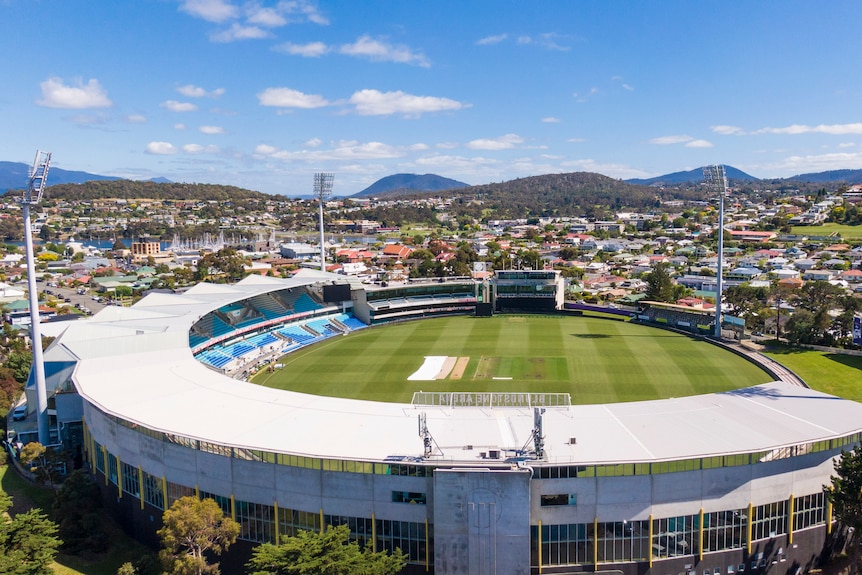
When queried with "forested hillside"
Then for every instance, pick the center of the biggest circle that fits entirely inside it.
(129, 189)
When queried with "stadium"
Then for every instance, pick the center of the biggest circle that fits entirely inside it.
(476, 482)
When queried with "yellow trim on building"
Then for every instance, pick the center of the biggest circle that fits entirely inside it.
(748, 527)
(791, 504)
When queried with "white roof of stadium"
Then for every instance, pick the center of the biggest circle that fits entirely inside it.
(136, 363)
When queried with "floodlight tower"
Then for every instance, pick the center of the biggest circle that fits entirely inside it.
(322, 191)
(32, 196)
(716, 180)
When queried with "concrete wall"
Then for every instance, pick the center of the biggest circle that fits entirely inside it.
(481, 522)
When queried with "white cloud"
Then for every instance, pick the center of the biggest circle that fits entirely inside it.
(198, 149)
(847, 145)
(310, 50)
(611, 170)
(239, 32)
(378, 51)
(418, 147)
(289, 98)
(699, 144)
(263, 16)
(375, 103)
(161, 148)
(506, 142)
(576, 140)
(305, 9)
(668, 140)
(80, 96)
(627, 87)
(175, 106)
(832, 129)
(341, 151)
(550, 120)
(210, 10)
(211, 130)
(547, 40)
(179, 126)
(313, 143)
(265, 150)
(446, 145)
(489, 40)
(728, 130)
(192, 91)
(793, 165)
(136, 119)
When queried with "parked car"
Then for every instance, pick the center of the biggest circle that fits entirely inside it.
(19, 412)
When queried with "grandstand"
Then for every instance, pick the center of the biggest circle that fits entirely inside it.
(415, 300)
(715, 484)
(693, 320)
(529, 290)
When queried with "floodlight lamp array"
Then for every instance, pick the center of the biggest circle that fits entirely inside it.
(37, 178)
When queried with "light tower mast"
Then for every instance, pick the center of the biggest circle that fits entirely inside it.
(33, 195)
(716, 180)
(322, 191)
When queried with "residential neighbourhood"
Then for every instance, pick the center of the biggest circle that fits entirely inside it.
(605, 261)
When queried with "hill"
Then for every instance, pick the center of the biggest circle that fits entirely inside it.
(130, 189)
(848, 176)
(692, 176)
(401, 184)
(571, 194)
(13, 176)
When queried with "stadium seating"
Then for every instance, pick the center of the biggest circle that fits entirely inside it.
(304, 303)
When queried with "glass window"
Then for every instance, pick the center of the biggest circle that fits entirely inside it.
(675, 536)
(559, 499)
(131, 483)
(769, 520)
(256, 521)
(809, 510)
(724, 530)
(153, 491)
(567, 544)
(408, 497)
(622, 541)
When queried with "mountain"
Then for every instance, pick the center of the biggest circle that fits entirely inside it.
(13, 176)
(570, 194)
(849, 176)
(402, 184)
(692, 176)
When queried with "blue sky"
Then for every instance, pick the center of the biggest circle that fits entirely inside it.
(262, 94)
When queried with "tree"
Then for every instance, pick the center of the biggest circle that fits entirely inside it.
(192, 528)
(845, 494)
(327, 553)
(78, 508)
(28, 542)
(660, 284)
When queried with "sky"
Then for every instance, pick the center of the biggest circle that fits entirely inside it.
(262, 94)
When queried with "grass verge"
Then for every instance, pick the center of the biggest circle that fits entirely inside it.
(832, 373)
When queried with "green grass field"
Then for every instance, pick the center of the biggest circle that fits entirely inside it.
(852, 233)
(833, 373)
(595, 360)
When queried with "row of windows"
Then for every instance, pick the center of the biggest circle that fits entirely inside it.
(562, 472)
(568, 544)
(616, 542)
(695, 464)
(259, 522)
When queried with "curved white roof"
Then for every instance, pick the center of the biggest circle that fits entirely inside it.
(135, 363)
